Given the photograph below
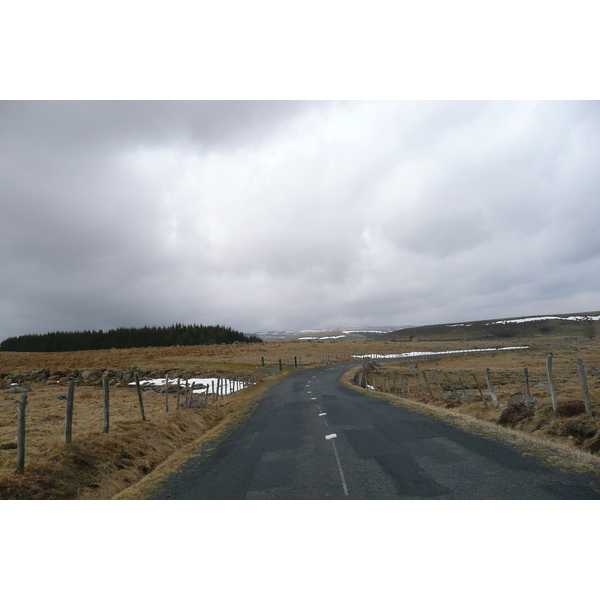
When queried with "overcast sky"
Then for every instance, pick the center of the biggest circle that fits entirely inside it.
(287, 215)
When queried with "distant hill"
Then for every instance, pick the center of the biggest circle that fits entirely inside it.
(580, 325)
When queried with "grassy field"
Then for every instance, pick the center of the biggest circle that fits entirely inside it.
(135, 453)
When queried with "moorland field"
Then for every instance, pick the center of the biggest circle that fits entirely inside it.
(135, 454)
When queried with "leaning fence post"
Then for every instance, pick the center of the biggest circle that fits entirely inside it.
(528, 400)
(454, 393)
(416, 374)
(105, 418)
(490, 388)
(584, 387)
(462, 385)
(427, 384)
(551, 382)
(437, 379)
(139, 392)
(21, 434)
(479, 389)
(69, 413)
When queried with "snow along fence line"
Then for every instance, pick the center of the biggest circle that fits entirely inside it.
(210, 387)
(418, 356)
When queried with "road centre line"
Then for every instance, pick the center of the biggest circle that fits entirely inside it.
(339, 464)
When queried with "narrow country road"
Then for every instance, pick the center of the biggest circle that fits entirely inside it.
(311, 437)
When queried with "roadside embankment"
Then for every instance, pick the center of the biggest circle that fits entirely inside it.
(98, 465)
(566, 440)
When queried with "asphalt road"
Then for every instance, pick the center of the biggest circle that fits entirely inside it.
(311, 437)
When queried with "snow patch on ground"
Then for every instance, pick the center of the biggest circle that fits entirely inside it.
(529, 319)
(201, 385)
(532, 319)
(327, 337)
(365, 331)
(415, 354)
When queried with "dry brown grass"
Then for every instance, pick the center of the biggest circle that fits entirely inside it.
(98, 465)
(189, 358)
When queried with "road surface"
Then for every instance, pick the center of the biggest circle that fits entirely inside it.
(311, 437)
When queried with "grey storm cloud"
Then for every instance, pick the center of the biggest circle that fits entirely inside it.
(275, 215)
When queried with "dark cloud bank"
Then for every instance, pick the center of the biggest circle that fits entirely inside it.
(280, 215)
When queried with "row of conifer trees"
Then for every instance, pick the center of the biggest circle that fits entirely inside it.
(126, 337)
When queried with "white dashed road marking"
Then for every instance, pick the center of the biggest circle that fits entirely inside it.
(339, 464)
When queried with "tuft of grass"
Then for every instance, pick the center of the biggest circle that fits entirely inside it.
(570, 408)
(515, 413)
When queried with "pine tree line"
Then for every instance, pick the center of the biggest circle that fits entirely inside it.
(126, 337)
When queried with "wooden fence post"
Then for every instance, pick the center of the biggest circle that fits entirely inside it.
(69, 413)
(106, 415)
(451, 386)
(21, 434)
(178, 391)
(139, 393)
(427, 384)
(584, 387)
(551, 382)
(528, 400)
(490, 388)
(419, 382)
(462, 385)
(479, 389)
(437, 379)
(167, 392)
